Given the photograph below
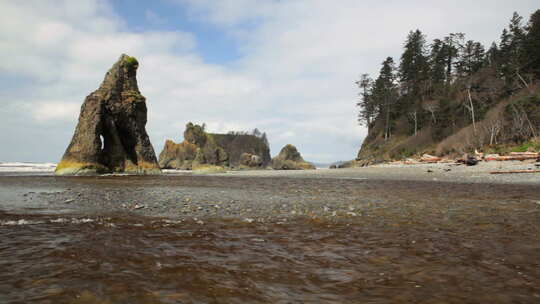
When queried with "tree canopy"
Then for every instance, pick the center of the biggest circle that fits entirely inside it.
(447, 68)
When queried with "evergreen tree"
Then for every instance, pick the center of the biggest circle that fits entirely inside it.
(531, 45)
(413, 67)
(471, 58)
(437, 68)
(518, 37)
(492, 56)
(368, 108)
(478, 58)
(385, 93)
(504, 53)
(511, 50)
(264, 139)
(452, 44)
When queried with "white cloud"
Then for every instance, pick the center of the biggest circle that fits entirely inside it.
(55, 110)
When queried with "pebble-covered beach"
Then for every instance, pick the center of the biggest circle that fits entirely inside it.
(265, 195)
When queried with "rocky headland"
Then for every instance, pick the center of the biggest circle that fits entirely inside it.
(110, 136)
(454, 96)
(202, 150)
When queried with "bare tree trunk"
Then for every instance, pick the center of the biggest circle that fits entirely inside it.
(531, 127)
(387, 127)
(433, 116)
(522, 80)
(414, 116)
(471, 109)
(520, 119)
(415, 123)
(494, 130)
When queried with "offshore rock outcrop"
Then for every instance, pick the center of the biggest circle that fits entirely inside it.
(110, 136)
(200, 148)
(290, 159)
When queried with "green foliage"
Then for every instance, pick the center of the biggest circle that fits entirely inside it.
(496, 149)
(437, 64)
(532, 44)
(195, 134)
(472, 59)
(532, 145)
(131, 61)
(442, 85)
(368, 106)
(405, 153)
(527, 146)
(413, 68)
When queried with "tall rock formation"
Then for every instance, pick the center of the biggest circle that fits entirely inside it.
(290, 159)
(224, 150)
(111, 135)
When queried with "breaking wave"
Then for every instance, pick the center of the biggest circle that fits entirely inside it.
(26, 167)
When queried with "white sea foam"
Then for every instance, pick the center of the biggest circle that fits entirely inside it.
(26, 167)
(23, 222)
(72, 220)
(82, 221)
(20, 222)
(60, 220)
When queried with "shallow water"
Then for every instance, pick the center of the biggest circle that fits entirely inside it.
(110, 259)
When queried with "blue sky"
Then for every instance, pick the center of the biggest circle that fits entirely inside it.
(285, 67)
(164, 15)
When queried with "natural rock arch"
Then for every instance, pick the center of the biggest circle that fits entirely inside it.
(111, 135)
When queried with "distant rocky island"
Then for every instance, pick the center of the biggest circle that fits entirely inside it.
(110, 136)
(290, 159)
(202, 149)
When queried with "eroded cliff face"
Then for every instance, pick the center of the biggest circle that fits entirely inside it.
(224, 150)
(290, 159)
(111, 135)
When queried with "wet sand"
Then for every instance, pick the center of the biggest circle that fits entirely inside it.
(329, 236)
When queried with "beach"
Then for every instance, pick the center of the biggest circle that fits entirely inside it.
(376, 234)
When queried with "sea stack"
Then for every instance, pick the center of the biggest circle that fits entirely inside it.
(290, 159)
(201, 149)
(110, 136)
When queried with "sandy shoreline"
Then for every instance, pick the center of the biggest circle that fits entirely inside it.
(446, 172)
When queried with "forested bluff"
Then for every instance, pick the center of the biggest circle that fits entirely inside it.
(453, 95)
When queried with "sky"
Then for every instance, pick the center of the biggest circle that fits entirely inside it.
(285, 67)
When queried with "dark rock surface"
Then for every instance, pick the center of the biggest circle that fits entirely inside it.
(200, 148)
(290, 159)
(250, 160)
(111, 135)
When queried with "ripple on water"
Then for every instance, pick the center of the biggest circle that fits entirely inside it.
(140, 260)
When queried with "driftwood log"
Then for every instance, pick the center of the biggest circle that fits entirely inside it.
(515, 171)
(512, 156)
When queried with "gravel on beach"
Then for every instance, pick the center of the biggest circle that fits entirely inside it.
(400, 192)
